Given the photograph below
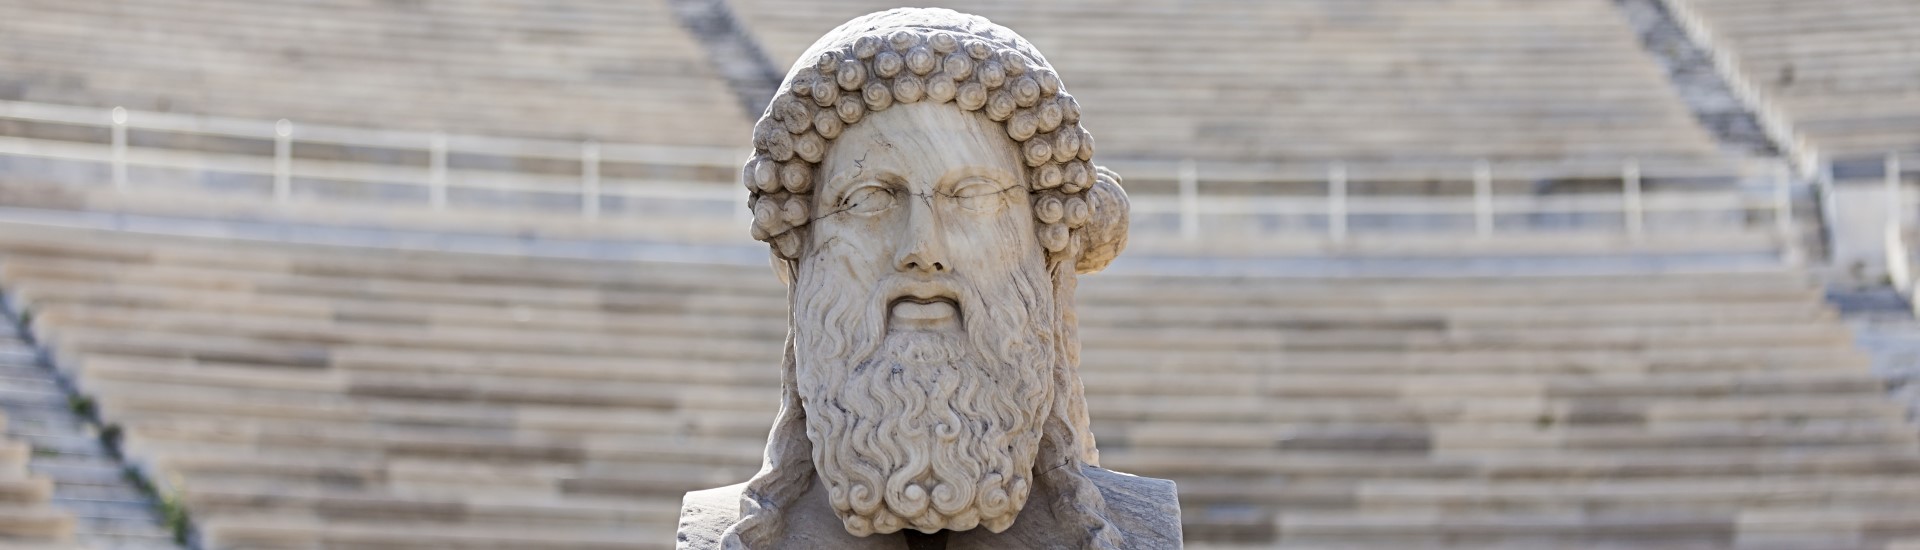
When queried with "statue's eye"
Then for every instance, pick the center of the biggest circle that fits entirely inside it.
(980, 195)
(866, 199)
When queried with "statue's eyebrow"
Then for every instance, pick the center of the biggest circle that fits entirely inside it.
(837, 181)
(950, 182)
(954, 193)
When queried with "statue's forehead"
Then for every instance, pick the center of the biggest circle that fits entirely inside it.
(924, 136)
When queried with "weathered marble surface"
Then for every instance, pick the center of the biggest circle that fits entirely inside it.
(1145, 509)
(929, 198)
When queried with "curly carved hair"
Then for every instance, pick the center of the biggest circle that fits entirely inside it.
(909, 55)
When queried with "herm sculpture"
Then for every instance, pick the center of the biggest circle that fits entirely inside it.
(927, 191)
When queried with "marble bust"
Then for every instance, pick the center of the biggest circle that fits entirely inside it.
(925, 186)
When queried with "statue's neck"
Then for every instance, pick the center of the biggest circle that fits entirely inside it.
(922, 541)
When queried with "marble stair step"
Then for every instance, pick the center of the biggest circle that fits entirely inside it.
(1095, 336)
(19, 488)
(1561, 373)
(499, 407)
(1610, 316)
(99, 323)
(1828, 492)
(467, 479)
(1216, 292)
(1659, 414)
(1665, 399)
(1409, 439)
(1414, 387)
(1258, 410)
(265, 530)
(1554, 322)
(378, 504)
(35, 521)
(94, 469)
(1513, 464)
(478, 417)
(222, 390)
(657, 366)
(415, 444)
(14, 455)
(1617, 304)
(1649, 527)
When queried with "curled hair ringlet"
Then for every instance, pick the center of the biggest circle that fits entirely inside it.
(1000, 105)
(908, 89)
(878, 95)
(887, 65)
(920, 60)
(1050, 116)
(971, 96)
(797, 178)
(957, 66)
(826, 91)
(828, 124)
(943, 42)
(941, 89)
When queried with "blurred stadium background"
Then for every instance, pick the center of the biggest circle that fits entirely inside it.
(1405, 273)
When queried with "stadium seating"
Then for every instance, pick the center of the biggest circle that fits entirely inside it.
(1557, 95)
(63, 486)
(27, 522)
(1843, 72)
(1407, 82)
(614, 71)
(297, 397)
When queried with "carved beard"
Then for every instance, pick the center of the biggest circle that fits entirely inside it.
(920, 429)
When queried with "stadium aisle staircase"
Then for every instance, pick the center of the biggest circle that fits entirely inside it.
(62, 487)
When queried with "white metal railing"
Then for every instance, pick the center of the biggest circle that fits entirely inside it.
(1191, 205)
(436, 177)
(1484, 207)
(1899, 254)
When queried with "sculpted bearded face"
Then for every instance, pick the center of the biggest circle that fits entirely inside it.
(929, 195)
(926, 334)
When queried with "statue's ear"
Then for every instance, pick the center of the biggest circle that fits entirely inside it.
(1105, 234)
(782, 267)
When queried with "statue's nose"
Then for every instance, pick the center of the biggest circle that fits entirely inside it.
(925, 251)
(922, 261)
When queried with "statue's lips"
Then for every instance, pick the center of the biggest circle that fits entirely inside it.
(924, 311)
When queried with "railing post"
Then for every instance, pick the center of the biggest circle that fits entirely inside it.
(1630, 194)
(1829, 212)
(1783, 200)
(1896, 202)
(1189, 200)
(590, 180)
(1483, 199)
(437, 171)
(283, 161)
(119, 148)
(1337, 202)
